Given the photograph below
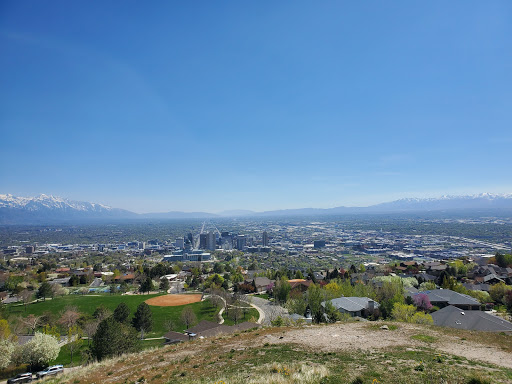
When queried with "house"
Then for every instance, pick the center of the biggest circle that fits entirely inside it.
(354, 306)
(454, 317)
(261, 283)
(127, 277)
(96, 283)
(64, 281)
(444, 297)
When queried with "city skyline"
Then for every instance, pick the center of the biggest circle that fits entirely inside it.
(211, 107)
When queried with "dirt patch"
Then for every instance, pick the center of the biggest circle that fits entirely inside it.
(357, 336)
(173, 300)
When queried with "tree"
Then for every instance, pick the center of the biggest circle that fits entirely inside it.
(122, 313)
(69, 318)
(101, 313)
(422, 318)
(188, 317)
(143, 319)
(5, 330)
(31, 321)
(74, 337)
(314, 297)
(422, 302)
(147, 285)
(44, 291)
(39, 351)
(26, 297)
(498, 292)
(403, 312)
(113, 339)
(282, 290)
(89, 329)
(333, 315)
(6, 350)
(164, 284)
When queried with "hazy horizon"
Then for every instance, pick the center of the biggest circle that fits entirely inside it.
(207, 107)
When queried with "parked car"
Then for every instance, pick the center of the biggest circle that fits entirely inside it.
(20, 378)
(53, 370)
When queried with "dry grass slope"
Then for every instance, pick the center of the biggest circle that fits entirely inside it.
(339, 353)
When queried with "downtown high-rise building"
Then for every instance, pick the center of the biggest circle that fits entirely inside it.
(203, 241)
(211, 244)
(265, 239)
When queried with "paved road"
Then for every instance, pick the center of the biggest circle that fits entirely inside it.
(270, 309)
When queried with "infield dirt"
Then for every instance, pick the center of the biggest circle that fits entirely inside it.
(173, 300)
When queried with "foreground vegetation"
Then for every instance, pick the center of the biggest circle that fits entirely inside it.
(247, 358)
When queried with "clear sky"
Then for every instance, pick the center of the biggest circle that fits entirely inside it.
(213, 105)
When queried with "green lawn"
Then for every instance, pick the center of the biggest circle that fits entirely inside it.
(265, 296)
(251, 313)
(88, 303)
(64, 357)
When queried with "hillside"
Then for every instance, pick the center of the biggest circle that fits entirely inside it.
(337, 353)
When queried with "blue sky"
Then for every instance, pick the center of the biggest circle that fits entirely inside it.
(206, 106)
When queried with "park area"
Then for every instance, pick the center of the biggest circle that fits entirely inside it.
(163, 314)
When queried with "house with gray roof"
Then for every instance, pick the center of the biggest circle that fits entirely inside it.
(354, 306)
(444, 297)
(454, 317)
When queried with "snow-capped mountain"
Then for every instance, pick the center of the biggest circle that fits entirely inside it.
(43, 201)
(448, 202)
(44, 208)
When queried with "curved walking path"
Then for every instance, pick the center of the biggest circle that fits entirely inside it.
(268, 310)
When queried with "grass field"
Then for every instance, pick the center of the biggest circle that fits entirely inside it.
(88, 303)
(251, 314)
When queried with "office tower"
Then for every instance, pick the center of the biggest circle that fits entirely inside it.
(265, 239)
(240, 242)
(203, 241)
(210, 241)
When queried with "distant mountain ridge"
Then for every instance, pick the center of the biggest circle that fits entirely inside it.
(46, 208)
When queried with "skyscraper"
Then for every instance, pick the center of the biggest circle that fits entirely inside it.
(210, 241)
(240, 242)
(265, 239)
(202, 241)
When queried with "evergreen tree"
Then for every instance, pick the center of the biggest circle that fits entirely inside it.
(147, 285)
(121, 313)
(143, 319)
(113, 339)
(44, 291)
(164, 284)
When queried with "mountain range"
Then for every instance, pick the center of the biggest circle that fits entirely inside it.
(44, 209)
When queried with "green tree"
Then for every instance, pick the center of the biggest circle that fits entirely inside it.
(282, 290)
(44, 291)
(147, 285)
(74, 343)
(143, 319)
(314, 297)
(113, 339)
(164, 284)
(403, 312)
(122, 313)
